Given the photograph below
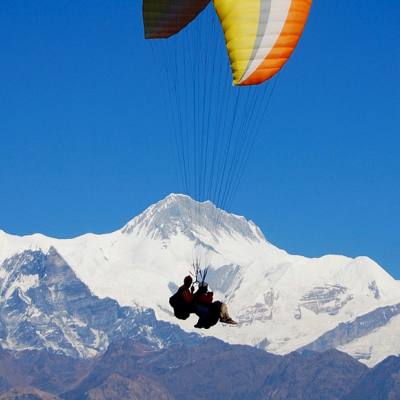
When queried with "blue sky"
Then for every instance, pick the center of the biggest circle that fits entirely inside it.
(84, 144)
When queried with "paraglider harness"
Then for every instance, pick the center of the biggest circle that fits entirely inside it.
(182, 309)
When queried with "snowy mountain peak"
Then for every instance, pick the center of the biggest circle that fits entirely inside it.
(179, 213)
(281, 301)
(44, 305)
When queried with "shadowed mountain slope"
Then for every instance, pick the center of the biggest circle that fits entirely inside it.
(43, 305)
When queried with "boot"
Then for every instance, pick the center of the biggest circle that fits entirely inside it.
(229, 321)
(224, 316)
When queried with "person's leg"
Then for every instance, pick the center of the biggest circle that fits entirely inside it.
(224, 315)
(202, 313)
(224, 311)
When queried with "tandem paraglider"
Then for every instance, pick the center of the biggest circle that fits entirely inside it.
(193, 297)
(217, 109)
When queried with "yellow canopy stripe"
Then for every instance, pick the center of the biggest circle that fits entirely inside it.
(240, 21)
(261, 35)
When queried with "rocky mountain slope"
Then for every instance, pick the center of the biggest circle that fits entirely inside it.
(210, 370)
(282, 302)
(43, 305)
(381, 382)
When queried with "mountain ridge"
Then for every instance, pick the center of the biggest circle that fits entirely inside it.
(43, 305)
(282, 302)
(210, 369)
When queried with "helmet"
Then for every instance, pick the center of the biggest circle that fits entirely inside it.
(188, 280)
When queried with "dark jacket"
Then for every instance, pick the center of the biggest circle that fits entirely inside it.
(182, 302)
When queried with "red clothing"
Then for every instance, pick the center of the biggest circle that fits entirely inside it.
(204, 298)
(186, 294)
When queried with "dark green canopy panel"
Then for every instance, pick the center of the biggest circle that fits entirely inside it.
(164, 18)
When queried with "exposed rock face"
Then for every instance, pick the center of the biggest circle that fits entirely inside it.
(327, 299)
(257, 312)
(260, 311)
(44, 305)
(373, 287)
(361, 326)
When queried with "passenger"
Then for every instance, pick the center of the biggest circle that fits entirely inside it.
(182, 300)
(209, 312)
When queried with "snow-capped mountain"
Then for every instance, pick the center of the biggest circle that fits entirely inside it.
(282, 302)
(43, 305)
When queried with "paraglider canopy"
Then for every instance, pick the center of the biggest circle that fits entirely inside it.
(260, 35)
(216, 125)
(164, 18)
